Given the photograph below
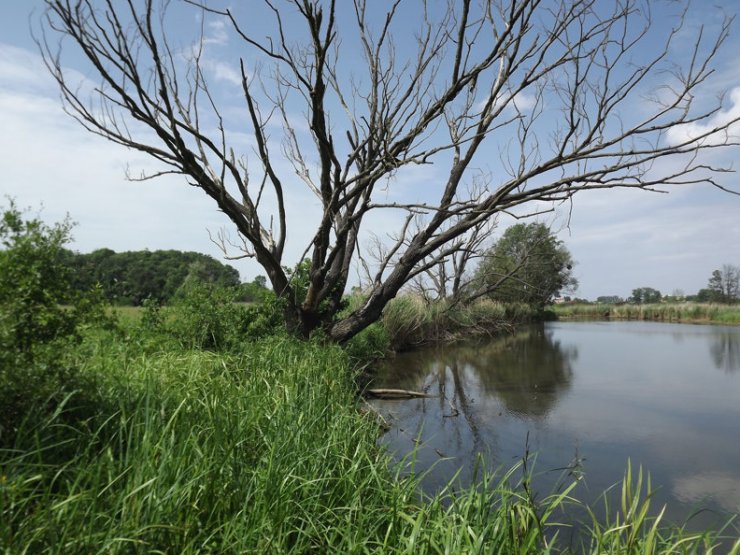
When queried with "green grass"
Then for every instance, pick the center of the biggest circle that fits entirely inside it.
(409, 322)
(683, 312)
(167, 450)
(128, 314)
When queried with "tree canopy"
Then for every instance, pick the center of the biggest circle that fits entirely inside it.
(517, 106)
(131, 277)
(645, 295)
(723, 285)
(528, 264)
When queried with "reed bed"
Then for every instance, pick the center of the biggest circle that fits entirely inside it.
(670, 312)
(410, 322)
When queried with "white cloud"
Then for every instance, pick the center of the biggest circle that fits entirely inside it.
(49, 159)
(20, 68)
(695, 489)
(218, 34)
(731, 115)
(223, 71)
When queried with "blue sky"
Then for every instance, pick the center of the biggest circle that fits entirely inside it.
(620, 239)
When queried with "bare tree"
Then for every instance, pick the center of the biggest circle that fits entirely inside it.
(550, 86)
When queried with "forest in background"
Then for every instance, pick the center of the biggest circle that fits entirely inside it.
(129, 278)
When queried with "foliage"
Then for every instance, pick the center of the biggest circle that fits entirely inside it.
(526, 265)
(206, 316)
(610, 299)
(255, 291)
(409, 321)
(34, 284)
(675, 312)
(128, 278)
(41, 316)
(723, 286)
(645, 295)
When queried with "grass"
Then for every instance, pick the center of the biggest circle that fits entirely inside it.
(683, 312)
(409, 322)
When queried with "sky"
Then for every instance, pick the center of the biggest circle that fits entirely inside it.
(620, 240)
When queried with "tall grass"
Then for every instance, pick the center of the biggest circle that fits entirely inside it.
(410, 322)
(260, 451)
(684, 312)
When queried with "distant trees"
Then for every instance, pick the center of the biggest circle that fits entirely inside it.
(131, 277)
(610, 299)
(528, 265)
(645, 295)
(723, 285)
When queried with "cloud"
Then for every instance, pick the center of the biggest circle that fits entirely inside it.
(21, 69)
(217, 33)
(222, 71)
(729, 117)
(724, 489)
(49, 159)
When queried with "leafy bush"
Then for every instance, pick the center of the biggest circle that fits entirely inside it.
(206, 316)
(41, 318)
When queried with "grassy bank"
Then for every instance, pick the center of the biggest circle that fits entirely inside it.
(409, 323)
(684, 312)
(148, 447)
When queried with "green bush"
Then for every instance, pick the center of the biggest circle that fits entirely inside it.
(42, 318)
(207, 316)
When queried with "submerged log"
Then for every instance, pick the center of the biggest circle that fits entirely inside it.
(396, 394)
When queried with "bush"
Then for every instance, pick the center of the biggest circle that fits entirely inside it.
(41, 319)
(207, 316)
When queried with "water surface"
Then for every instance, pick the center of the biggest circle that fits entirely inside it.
(586, 397)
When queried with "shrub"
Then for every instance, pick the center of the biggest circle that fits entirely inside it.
(208, 316)
(41, 318)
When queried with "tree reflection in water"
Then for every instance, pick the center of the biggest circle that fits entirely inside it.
(527, 370)
(522, 375)
(725, 350)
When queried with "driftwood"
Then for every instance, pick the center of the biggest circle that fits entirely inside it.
(396, 394)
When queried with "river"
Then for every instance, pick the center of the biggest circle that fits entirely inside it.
(586, 398)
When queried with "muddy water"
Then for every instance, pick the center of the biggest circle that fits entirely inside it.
(586, 398)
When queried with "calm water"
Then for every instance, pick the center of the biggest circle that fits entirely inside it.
(587, 396)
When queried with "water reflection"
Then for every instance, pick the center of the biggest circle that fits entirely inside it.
(725, 350)
(526, 371)
(698, 489)
(608, 392)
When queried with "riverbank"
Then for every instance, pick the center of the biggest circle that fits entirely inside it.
(691, 313)
(409, 323)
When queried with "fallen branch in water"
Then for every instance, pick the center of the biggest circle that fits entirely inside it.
(396, 394)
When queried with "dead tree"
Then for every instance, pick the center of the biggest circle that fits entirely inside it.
(544, 92)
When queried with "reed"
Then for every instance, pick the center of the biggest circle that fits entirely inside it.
(669, 312)
(410, 322)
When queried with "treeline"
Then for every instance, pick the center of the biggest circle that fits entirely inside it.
(129, 278)
(723, 287)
